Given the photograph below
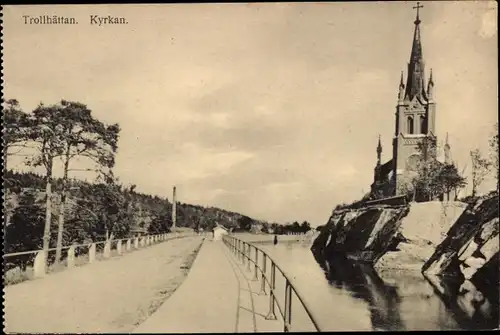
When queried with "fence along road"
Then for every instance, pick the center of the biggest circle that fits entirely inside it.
(222, 293)
(265, 270)
(225, 293)
(114, 295)
(39, 264)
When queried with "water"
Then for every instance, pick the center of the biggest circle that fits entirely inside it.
(344, 296)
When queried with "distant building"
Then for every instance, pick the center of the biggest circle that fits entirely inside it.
(219, 231)
(415, 123)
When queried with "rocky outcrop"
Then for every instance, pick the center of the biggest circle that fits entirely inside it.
(471, 248)
(363, 234)
(422, 230)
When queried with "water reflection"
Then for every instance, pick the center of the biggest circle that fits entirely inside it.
(473, 309)
(363, 283)
(410, 301)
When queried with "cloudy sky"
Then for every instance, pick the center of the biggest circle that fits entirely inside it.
(271, 110)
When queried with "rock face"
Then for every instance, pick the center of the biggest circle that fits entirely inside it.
(423, 229)
(363, 234)
(471, 248)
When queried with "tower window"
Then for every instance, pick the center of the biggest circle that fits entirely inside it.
(423, 124)
(409, 125)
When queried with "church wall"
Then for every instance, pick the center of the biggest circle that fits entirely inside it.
(431, 123)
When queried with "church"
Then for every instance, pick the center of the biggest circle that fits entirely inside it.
(415, 125)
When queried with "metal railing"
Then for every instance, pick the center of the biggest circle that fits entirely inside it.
(41, 261)
(249, 253)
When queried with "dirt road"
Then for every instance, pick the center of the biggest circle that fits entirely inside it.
(109, 296)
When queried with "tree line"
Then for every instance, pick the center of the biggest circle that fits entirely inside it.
(283, 229)
(43, 211)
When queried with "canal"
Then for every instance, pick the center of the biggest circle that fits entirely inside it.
(345, 296)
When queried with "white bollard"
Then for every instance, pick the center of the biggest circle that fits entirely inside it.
(136, 243)
(119, 247)
(92, 253)
(129, 245)
(107, 250)
(39, 265)
(71, 257)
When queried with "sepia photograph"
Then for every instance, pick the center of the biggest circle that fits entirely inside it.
(250, 167)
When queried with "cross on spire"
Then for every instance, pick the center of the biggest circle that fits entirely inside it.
(417, 7)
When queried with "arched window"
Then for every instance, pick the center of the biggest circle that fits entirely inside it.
(423, 124)
(409, 125)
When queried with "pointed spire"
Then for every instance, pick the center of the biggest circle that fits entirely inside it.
(430, 88)
(401, 93)
(447, 158)
(379, 151)
(414, 86)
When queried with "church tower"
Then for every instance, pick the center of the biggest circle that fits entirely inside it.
(415, 115)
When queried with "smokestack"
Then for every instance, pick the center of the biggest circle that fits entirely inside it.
(174, 204)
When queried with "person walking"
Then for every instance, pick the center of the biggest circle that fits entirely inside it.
(275, 239)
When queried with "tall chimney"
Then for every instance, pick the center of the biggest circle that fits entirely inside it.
(174, 204)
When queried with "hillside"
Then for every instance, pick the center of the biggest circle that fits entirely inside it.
(96, 209)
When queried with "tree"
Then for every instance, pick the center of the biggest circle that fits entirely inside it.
(265, 228)
(428, 168)
(103, 212)
(245, 223)
(45, 133)
(305, 227)
(449, 179)
(15, 126)
(162, 222)
(25, 231)
(78, 135)
(480, 168)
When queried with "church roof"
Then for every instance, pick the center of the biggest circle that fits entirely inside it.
(386, 168)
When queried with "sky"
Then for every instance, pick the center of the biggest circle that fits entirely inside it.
(272, 110)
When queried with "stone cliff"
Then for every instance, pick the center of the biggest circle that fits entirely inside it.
(471, 248)
(445, 236)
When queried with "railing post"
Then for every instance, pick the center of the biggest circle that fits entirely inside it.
(129, 245)
(255, 276)
(249, 249)
(39, 265)
(70, 260)
(92, 253)
(271, 315)
(263, 278)
(242, 249)
(288, 307)
(136, 243)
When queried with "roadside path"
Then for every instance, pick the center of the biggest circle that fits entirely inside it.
(114, 295)
(217, 296)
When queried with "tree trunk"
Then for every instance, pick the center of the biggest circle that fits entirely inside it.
(60, 228)
(48, 208)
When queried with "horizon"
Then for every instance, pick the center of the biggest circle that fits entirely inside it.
(256, 108)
